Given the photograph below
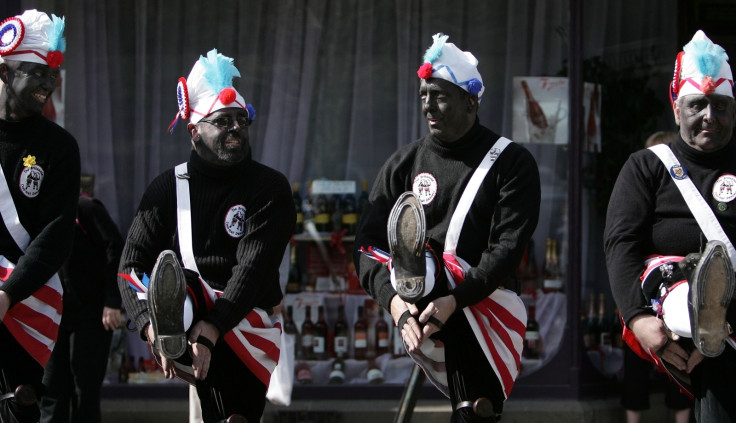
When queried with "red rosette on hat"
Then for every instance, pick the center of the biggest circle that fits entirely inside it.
(425, 71)
(54, 58)
(227, 96)
(182, 97)
(11, 34)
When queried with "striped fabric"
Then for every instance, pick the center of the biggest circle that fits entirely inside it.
(34, 322)
(255, 340)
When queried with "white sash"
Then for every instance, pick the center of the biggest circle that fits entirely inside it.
(10, 215)
(698, 206)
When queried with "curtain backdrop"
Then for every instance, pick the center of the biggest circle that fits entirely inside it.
(333, 81)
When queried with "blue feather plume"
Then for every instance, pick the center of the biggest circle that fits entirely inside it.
(708, 56)
(219, 70)
(56, 34)
(435, 50)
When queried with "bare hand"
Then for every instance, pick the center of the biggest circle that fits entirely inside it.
(4, 304)
(201, 355)
(651, 333)
(110, 318)
(441, 309)
(411, 333)
(166, 364)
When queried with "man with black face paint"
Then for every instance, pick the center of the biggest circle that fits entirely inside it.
(39, 187)
(460, 204)
(209, 235)
(669, 237)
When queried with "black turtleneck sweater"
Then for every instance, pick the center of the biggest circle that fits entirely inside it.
(497, 228)
(648, 216)
(246, 268)
(46, 211)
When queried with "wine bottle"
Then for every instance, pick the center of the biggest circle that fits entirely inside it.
(341, 334)
(552, 277)
(349, 214)
(381, 331)
(397, 349)
(320, 206)
(307, 335)
(534, 110)
(374, 374)
(319, 341)
(532, 337)
(337, 374)
(616, 330)
(294, 283)
(299, 227)
(335, 210)
(605, 330)
(360, 336)
(123, 371)
(141, 365)
(595, 330)
(291, 331)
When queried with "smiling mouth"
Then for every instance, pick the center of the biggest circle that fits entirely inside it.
(41, 97)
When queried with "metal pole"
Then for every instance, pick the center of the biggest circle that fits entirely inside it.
(410, 395)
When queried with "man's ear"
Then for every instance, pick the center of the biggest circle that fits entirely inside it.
(676, 111)
(194, 132)
(472, 102)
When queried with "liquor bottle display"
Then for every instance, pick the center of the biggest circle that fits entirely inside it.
(532, 337)
(349, 214)
(534, 110)
(360, 336)
(551, 269)
(299, 228)
(337, 374)
(307, 333)
(374, 373)
(319, 341)
(294, 282)
(291, 331)
(320, 207)
(341, 340)
(397, 346)
(604, 337)
(616, 330)
(303, 373)
(382, 336)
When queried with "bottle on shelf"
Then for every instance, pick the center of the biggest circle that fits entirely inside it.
(382, 335)
(291, 331)
(297, 197)
(319, 341)
(360, 336)
(527, 273)
(337, 374)
(532, 337)
(307, 208)
(603, 325)
(341, 340)
(616, 329)
(374, 373)
(335, 209)
(320, 207)
(349, 214)
(303, 373)
(123, 371)
(533, 109)
(294, 282)
(552, 275)
(397, 346)
(141, 365)
(307, 333)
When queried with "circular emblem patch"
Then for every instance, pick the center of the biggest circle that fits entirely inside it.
(425, 187)
(31, 177)
(235, 221)
(678, 172)
(724, 190)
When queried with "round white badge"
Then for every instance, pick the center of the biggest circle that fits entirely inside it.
(724, 190)
(30, 180)
(235, 221)
(425, 187)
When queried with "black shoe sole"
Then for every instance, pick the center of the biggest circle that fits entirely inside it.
(166, 295)
(711, 289)
(406, 234)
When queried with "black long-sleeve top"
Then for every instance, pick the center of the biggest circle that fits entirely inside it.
(245, 268)
(46, 210)
(648, 216)
(497, 228)
(89, 275)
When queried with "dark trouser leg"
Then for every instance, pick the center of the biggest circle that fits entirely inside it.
(57, 380)
(17, 367)
(635, 395)
(469, 374)
(713, 381)
(230, 387)
(90, 346)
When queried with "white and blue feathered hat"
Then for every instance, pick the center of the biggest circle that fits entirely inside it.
(208, 88)
(701, 68)
(444, 60)
(33, 37)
